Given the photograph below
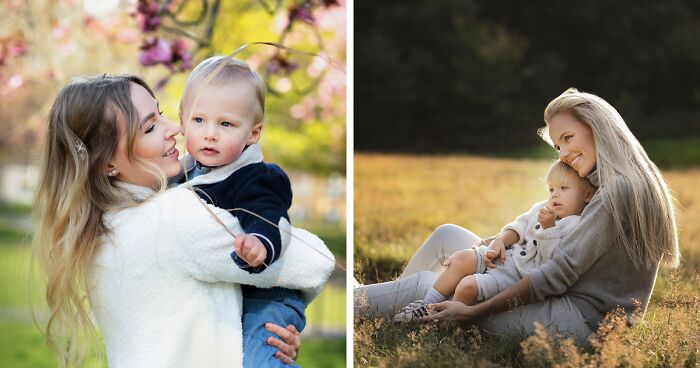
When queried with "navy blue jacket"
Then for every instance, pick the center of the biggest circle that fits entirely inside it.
(261, 188)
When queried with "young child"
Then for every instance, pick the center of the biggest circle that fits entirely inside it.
(472, 276)
(225, 164)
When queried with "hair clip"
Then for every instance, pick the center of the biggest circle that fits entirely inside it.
(80, 148)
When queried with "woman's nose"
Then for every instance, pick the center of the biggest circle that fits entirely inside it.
(171, 129)
(563, 152)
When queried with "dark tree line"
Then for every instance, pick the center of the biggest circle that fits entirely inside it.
(475, 75)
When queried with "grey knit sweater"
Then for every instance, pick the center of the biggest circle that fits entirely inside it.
(588, 268)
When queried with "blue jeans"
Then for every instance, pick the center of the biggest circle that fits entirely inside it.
(260, 306)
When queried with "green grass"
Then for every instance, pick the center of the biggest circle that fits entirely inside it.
(9, 234)
(14, 276)
(22, 345)
(14, 209)
(322, 353)
(401, 199)
(328, 309)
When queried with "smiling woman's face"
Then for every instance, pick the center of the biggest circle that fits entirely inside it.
(574, 141)
(154, 143)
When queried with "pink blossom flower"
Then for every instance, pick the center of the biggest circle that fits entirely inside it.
(156, 51)
(280, 64)
(160, 51)
(15, 82)
(302, 13)
(148, 15)
(126, 35)
(17, 47)
(182, 52)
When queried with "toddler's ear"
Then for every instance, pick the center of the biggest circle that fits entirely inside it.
(589, 195)
(255, 133)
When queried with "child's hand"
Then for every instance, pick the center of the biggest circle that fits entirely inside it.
(250, 249)
(496, 249)
(546, 217)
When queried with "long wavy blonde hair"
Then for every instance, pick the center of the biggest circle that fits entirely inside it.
(74, 192)
(635, 194)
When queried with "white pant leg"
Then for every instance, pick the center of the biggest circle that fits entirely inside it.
(442, 243)
(556, 313)
(387, 298)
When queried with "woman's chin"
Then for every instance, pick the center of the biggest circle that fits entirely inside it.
(584, 171)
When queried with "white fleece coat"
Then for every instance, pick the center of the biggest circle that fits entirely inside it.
(165, 292)
(536, 244)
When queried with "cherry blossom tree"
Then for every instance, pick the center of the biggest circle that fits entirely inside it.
(47, 42)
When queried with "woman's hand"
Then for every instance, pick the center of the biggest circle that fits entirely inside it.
(289, 348)
(452, 310)
(448, 261)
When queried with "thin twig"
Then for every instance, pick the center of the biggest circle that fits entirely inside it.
(289, 233)
(200, 41)
(267, 8)
(186, 23)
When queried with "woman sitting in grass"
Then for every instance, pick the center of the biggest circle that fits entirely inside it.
(523, 245)
(609, 260)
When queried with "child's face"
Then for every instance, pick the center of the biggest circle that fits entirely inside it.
(222, 123)
(568, 198)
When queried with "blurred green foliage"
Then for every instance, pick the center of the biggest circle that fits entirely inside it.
(677, 153)
(475, 75)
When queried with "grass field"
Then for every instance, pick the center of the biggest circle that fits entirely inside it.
(22, 344)
(400, 199)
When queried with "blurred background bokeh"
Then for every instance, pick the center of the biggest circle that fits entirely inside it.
(475, 75)
(46, 43)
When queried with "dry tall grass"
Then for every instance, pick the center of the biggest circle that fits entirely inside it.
(399, 200)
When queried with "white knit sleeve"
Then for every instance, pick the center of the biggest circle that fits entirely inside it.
(205, 248)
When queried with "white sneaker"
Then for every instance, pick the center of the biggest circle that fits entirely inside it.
(413, 311)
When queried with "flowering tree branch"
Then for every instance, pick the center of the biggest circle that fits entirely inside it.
(177, 53)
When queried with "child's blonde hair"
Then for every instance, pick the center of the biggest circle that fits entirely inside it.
(219, 70)
(560, 172)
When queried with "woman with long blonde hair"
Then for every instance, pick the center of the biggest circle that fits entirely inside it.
(610, 260)
(151, 265)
